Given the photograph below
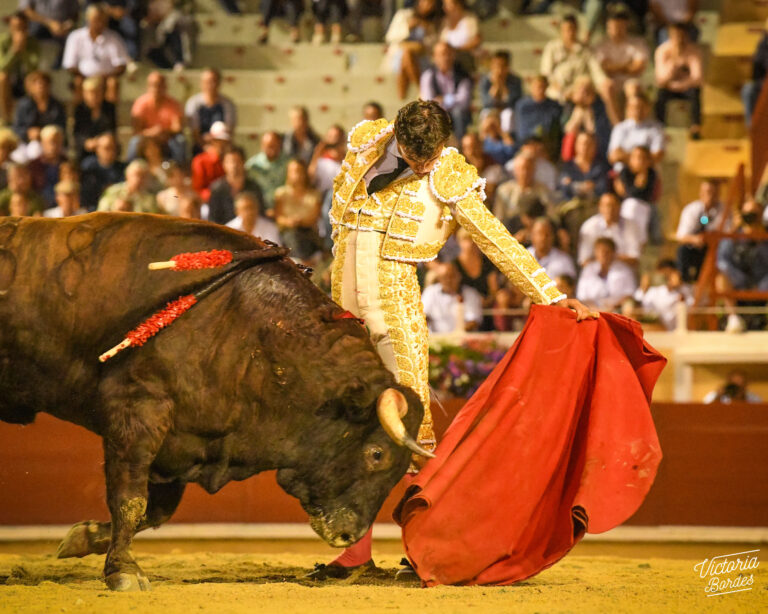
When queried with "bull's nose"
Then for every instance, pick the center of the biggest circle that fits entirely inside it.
(342, 541)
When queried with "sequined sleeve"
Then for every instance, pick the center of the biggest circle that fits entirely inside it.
(511, 258)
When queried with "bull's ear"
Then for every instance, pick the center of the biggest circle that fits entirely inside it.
(355, 402)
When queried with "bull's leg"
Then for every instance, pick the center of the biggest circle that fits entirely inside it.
(92, 537)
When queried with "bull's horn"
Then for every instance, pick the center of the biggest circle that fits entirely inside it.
(391, 408)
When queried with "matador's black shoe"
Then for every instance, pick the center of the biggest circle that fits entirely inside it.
(337, 572)
(407, 573)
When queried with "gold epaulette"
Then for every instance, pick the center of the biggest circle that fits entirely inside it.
(367, 133)
(453, 178)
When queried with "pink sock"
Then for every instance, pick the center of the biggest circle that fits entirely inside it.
(357, 554)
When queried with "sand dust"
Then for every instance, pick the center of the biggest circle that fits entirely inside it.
(233, 582)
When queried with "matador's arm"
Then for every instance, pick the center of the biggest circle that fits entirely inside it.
(456, 183)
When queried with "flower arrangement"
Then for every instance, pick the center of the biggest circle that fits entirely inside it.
(458, 370)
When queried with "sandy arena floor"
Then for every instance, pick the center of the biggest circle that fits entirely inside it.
(267, 576)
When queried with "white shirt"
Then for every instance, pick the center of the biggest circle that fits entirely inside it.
(544, 172)
(386, 164)
(94, 58)
(556, 262)
(461, 35)
(691, 218)
(440, 307)
(639, 212)
(57, 212)
(605, 292)
(662, 302)
(629, 134)
(625, 233)
(325, 171)
(264, 229)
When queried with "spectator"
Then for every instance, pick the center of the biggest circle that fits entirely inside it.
(290, 9)
(131, 194)
(171, 35)
(19, 56)
(209, 106)
(45, 169)
(301, 141)
(38, 108)
(520, 225)
(446, 301)
(8, 143)
(250, 220)
(157, 115)
(750, 91)
(221, 204)
(461, 31)
(207, 166)
(477, 272)
(544, 171)
(734, 389)
(636, 130)
(608, 222)
(151, 152)
(19, 205)
(605, 282)
(67, 201)
(508, 194)
(189, 206)
(373, 111)
(409, 38)
(696, 220)
(20, 182)
(297, 210)
(178, 188)
(328, 12)
(555, 261)
(268, 168)
(537, 115)
(637, 185)
(327, 159)
(585, 112)
(508, 298)
(500, 89)
(566, 58)
(122, 19)
(566, 284)
(93, 117)
(51, 20)
(101, 170)
(446, 83)
(679, 75)
(496, 142)
(487, 168)
(668, 12)
(622, 57)
(661, 300)
(743, 263)
(95, 51)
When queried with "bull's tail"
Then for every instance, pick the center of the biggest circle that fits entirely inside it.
(154, 324)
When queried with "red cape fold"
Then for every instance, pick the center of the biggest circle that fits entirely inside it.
(557, 441)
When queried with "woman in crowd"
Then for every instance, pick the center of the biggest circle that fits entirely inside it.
(297, 209)
(585, 112)
(461, 30)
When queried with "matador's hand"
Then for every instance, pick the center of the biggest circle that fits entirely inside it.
(582, 311)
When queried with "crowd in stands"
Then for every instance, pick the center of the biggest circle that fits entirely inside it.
(571, 156)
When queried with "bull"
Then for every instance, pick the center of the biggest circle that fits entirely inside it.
(262, 374)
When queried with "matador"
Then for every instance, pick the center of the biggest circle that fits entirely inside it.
(400, 194)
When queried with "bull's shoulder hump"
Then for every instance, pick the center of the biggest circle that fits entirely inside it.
(367, 133)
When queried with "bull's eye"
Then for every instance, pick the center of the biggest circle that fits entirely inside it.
(376, 458)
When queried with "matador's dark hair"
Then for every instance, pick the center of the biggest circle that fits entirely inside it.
(422, 127)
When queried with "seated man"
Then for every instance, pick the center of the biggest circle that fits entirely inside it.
(209, 106)
(661, 300)
(100, 171)
(67, 201)
(509, 193)
(250, 220)
(696, 219)
(605, 282)
(500, 89)
(207, 166)
(733, 389)
(268, 168)
(20, 182)
(555, 261)
(96, 51)
(131, 194)
(51, 20)
(448, 300)
(608, 222)
(221, 202)
(157, 115)
(45, 169)
(19, 56)
(538, 115)
(486, 166)
(38, 108)
(301, 141)
(447, 84)
(636, 130)
(93, 117)
(679, 75)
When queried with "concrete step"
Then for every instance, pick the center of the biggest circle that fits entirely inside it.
(738, 39)
(722, 112)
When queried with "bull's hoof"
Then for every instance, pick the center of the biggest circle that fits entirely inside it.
(125, 582)
(79, 541)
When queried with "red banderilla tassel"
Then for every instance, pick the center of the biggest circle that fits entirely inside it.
(192, 261)
(151, 326)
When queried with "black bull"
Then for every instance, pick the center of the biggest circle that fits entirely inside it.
(261, 374)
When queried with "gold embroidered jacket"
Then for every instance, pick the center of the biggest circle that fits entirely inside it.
(417, 215)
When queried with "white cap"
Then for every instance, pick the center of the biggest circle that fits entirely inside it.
(219, 131)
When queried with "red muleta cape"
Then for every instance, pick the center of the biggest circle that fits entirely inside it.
(557, 441)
